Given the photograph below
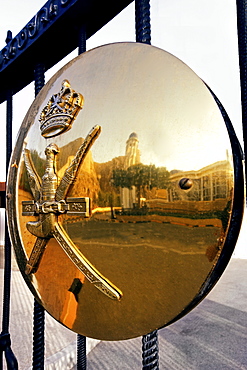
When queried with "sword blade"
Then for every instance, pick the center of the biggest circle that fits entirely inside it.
(82, 263)
(70, 173)
(36, 256)
(33, 177)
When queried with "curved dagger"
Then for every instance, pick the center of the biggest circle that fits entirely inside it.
(52, 198)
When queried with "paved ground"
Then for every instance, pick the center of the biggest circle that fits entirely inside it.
(212, 336)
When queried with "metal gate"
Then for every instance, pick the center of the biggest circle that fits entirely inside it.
(21, 62)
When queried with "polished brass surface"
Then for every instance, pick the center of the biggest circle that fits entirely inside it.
(142, 214)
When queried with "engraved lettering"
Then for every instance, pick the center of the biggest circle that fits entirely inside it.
(43, 13)
(65, 2)
(12, 48)
(22, 39)
(53, 10)
(33, 27)
(32, 30)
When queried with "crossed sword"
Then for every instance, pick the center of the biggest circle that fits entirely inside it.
(49, 201)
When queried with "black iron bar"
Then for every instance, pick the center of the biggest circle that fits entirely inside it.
(82, 40)
(142, 20)
(81, 340)
(39, 312)
(39, 77)
(7, 250)
(150, 351)
(5, 342)
(81, 352)
(242, 46)
(38, 336)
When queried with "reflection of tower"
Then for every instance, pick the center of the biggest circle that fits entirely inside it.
(132, 152)
(132, 157)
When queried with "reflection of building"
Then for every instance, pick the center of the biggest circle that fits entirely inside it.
(132, 152)
(209, 183)
(208, 198)
(132, 157)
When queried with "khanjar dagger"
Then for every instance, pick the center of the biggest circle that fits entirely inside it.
(50, 201)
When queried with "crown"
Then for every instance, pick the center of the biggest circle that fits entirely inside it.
(60, 112)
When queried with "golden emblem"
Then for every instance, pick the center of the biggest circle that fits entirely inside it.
(145, 207)
(49, 201)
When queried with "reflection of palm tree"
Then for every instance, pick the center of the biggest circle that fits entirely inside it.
(111, 205)
(142, 177)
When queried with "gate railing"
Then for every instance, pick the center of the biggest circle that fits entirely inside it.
(25, 58)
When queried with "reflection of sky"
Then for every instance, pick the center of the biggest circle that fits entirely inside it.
(142, 89)
(188, 23)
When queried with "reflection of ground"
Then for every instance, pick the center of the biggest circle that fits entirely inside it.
(159, 268)
(169, 237)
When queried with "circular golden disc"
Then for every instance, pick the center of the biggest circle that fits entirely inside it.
(126, 231)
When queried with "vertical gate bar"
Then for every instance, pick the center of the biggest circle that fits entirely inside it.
(242, 46)
(81, 352)
(39, 312)
(7, 250)
(82, 40)
(9, 119)
(150, 349)
(81, 339)
(38, 336)
(5, 342)
(142, 20)
(39, 77)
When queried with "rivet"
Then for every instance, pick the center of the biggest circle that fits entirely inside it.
(185, 183)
